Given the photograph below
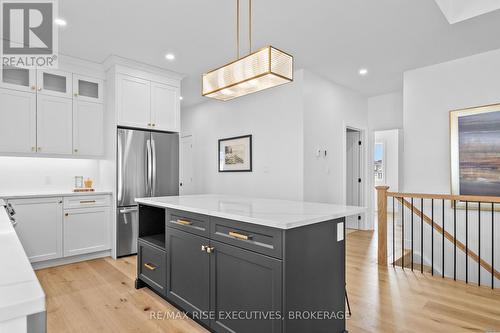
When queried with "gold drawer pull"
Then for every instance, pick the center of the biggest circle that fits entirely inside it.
(210, 249)
(238, 235)
(87, 201)
(184, 222)
(149, 266)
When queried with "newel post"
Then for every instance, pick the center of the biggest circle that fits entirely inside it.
(382, 224)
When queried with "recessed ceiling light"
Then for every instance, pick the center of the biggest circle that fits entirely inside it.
(181, 98)
(170, 56)
(60, 22)
(363, 71)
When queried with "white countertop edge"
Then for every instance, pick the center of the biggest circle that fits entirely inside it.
(51, 194)
(259, 221)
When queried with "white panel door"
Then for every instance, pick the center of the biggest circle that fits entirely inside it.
(54, 83)
(39, 227)
(186, 184)
(21, 79)
(353, 168)
(88, 130)
(17, 121)
(133, 101)
(86, 230)
(54, 125)
(165, 109)
(87, 88)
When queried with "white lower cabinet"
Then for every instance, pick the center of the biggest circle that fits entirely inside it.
(86, 230)
(57, 227)
(39, 227)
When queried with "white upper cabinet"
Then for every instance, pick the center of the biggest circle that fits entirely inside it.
(165, 115)
(54, 125)
(55, 83)
(21, 79)
(17, 121)
(87, 89)
(88, 120)
(133, 101)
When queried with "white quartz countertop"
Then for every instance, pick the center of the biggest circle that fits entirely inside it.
(45, 194)
(20, 291)
(282, 214)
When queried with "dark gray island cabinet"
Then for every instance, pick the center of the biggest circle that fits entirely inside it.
(235, 276)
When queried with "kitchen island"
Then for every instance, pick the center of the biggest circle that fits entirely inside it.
(238, 264)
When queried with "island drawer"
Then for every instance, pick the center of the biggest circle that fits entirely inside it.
(151, 268)
(190, 222)
(253, 237)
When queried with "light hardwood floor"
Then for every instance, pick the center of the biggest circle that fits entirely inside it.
(99, 296)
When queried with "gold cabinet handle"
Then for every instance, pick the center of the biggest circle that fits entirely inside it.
(33, 148)
(153, 125)
(76, 94)
(238, 235)
(149, 124)
(33, 87)
(87, 201)
(184, 222)
(210, 249)
(76, 150)
(149, 266)
(66, 214)
(204, 248)
(39, 88)
(39, 148)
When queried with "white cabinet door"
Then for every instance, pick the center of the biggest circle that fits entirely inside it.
(54, 125)
(17, 121)
(86, 230)
(133, 101)
(87, 89)
(54, 83)
(21, 79)
(39, 227)
(88, 121)
(165, 109)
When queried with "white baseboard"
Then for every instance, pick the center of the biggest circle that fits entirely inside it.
(70, 260)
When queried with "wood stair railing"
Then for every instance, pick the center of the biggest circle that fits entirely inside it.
(383, 195)
(449, 237)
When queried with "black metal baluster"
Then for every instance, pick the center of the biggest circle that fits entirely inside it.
(454, 240)
(412, 234)
(402, 233)
(479, 243)
(466, 242)
(442, 256)
(393, 234)
(492, 245)
(421, 235)
(432, 236)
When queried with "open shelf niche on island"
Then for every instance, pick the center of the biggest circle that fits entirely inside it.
(152, 226)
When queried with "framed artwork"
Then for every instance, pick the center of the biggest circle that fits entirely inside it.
(235, 154)
(475, 151)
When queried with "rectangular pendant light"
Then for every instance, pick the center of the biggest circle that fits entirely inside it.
(266, 68)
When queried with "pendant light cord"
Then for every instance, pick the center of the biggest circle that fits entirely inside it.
(238, 27)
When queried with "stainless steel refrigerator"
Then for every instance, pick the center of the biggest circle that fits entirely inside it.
(147, 166)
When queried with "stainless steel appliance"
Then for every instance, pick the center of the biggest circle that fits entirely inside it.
(147, 166)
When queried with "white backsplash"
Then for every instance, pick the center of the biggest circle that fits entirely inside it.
(35, 174)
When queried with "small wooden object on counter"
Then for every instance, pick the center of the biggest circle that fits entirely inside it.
(83, 190)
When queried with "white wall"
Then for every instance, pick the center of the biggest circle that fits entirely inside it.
(328, 108)
(35, 174)
(274, 118)
(430, 93)
(385, 111)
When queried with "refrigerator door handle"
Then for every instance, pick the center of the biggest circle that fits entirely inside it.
(153, 168)
(120, 168)
(149, 167)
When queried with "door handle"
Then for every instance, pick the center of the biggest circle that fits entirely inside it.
(153, 167)
(128, 210)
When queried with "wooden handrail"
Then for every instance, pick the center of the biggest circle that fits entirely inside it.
(382, 224)
(470, 198)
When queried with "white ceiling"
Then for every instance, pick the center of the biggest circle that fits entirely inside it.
(333, 38)
(461, 10)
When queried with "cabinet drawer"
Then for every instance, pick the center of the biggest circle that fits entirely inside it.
(257, 238)
(190, 222)
(152, 266)
(86, 201)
